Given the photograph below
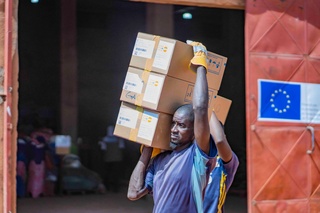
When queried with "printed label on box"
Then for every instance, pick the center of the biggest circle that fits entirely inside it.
(133, 83)
(128, 117)
(163, 55)
(143, 48)
(215, 63)
(148, 125)
(153, 89)
(62, 140)
(189, 94)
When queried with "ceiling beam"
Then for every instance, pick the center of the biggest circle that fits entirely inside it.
(226, 4)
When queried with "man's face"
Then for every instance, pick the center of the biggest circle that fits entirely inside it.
(181, 129)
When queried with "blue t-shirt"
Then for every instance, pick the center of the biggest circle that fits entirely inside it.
(177, 179)
(219, 183)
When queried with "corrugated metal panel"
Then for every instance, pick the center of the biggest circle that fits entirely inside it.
(282, 43)
(8, 105)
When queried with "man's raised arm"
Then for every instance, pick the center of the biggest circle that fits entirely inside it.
(200, 97)
(220, 139)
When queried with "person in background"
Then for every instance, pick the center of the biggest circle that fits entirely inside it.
(222, 174)
(36, 168)
(177, 178)
(23, 158)
(112, 147)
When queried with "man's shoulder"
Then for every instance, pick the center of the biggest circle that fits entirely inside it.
(162, 155)
(229, 166)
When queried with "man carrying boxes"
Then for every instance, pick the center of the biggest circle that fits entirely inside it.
(177, 179)
(158, 82)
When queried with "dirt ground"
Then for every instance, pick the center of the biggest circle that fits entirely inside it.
(103, 203)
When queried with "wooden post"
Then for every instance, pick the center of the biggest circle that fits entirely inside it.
(160, 19)
(69, 75)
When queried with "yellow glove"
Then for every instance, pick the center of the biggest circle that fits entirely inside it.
(200, 55)
(155, 151)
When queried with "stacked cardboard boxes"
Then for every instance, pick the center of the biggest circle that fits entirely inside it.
(158, 81)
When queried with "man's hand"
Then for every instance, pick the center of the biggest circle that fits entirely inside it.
(200, 55)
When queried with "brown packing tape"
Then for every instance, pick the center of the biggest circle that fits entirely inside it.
(140, 109)
(145, 75)
(138, 100)
(134, 132)
(144, 78)
(149, 62)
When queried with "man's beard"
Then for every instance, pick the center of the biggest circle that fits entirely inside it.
(174, 145)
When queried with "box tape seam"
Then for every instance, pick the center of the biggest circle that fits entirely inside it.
(149, 62)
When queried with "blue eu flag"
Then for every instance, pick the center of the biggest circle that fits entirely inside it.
(280, 100)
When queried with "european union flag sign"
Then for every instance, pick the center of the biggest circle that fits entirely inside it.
(279, 100)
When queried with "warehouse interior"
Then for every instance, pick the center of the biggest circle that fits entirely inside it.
(105, 35)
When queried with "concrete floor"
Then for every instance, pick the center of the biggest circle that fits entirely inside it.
(103, 203)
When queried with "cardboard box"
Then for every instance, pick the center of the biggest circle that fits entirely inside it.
(171, 57)
(62, 144)
(221, 107)
(159, 92)
(152, 128)
(143, 126)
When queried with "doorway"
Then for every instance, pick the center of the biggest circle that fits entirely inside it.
(106, 32)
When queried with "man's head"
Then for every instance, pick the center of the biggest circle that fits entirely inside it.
(182, 131)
